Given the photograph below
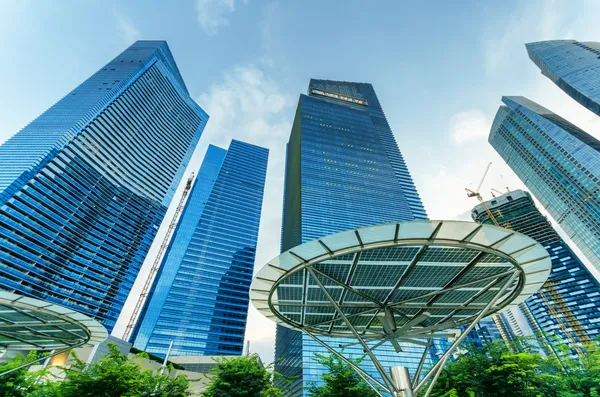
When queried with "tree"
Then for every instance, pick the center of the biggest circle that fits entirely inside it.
(117, 375)
(19, 383)
(497, 371)
(114, 375)
(340, 380)
(243, 376)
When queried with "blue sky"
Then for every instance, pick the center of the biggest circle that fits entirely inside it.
(439, 69)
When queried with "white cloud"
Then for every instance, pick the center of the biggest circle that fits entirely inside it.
(469, 125)
(212, 14)
(127, 30)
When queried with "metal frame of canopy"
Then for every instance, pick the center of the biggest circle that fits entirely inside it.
(488, 267)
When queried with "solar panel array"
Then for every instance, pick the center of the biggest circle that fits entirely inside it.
(386, 276)
(427, 276)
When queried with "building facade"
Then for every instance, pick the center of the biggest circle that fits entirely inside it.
(85, 186)
(199, 299)
(571, 65)
(558, 162)
(343, 170)
(567, 306)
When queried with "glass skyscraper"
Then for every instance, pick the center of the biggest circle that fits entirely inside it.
(343, 170)
(558, 162)
(199, 299)
(567, 306)
(85, 186)
(571, 65)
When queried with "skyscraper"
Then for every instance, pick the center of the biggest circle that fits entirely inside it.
(85, 186)
(199, 299)
(571, 65)
(568, 305)
(343, 171)
(558, 162)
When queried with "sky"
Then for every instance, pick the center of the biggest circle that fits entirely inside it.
(439, 69)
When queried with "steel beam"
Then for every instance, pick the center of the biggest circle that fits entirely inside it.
(384, 375)
(352, 365)
(483, 313)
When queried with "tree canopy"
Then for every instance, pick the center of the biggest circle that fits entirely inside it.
(243, 376)
(340, 380)
(20, 382)
(497, 371)
(115, 375)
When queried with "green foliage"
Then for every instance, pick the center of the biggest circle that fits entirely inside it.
(451, 393)
(19, 383)
(497, 371)
(340, 380)
(115, 375)
(243, 376)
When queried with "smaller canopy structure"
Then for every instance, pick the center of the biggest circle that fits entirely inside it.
(32, 324)
(409, 282)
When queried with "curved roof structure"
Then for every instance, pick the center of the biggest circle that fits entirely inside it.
(32, 324)
(400, 280)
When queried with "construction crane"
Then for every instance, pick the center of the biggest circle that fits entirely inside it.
(475, 193)
(547, 287)
(497, 191)
(157, 260)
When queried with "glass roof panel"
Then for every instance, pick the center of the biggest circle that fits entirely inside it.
(27, 324)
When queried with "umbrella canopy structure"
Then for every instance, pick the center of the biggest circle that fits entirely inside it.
(32, 324)
(408, 281)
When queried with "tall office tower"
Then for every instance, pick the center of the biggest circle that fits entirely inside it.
(571, 65)
(568, 305)
(343, 170)
(199, 299)
(85, 186)
(558, 162)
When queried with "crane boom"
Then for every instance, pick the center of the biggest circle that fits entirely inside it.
(483, 177)
(157, 260)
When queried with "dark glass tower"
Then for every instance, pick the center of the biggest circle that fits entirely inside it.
(558, 162)
(343, 171)
(85, 186)
(571, 291)
(199, 299)
(571, 65)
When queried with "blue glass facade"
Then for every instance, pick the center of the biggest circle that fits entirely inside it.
(571, 290)
(558, 162)
(199, 299)
(343, 170)
(85, 186)
(571, 65)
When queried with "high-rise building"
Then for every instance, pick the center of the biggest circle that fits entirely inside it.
(558, 162)
(344, 170)
(567, 306)
(199, 299)
(489, 330)
(85, 186)
(571, 65)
